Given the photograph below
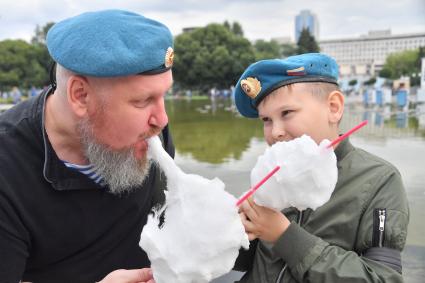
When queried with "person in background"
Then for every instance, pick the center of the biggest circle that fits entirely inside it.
(358, 235)
(76, 186)
(16, 95)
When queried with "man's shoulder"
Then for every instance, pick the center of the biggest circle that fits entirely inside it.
(20, 137)
(12, 118)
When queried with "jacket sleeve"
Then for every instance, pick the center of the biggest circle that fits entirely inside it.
(14, 239)
(311, 259)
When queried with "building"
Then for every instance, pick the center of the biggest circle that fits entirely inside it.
(306, 20)
(365, 56)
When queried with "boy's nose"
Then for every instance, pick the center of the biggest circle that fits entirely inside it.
(278, 133)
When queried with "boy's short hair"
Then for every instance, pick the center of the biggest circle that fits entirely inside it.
(317, 89)
(263, 77)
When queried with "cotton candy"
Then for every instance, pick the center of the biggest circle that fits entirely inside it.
(202, 232)
(306, 179)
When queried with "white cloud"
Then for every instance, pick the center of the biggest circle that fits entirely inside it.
(259, 19)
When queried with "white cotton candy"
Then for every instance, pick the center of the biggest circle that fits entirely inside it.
(202, 232)
(306, 179)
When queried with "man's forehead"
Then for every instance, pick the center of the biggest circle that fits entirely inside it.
(139, 85)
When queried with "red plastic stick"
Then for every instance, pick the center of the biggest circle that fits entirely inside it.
(251, 191)
(340, 138)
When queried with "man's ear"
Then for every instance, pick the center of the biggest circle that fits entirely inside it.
(77, 94)
(336, 106)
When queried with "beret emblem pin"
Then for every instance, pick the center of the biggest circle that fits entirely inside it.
(169, 57)
(251, 86)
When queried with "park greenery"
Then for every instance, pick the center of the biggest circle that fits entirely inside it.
(307, 43)
(406, 63)
(207, 57)
(24, 64)
(211, 56)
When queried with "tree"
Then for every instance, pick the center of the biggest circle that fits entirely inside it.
(41, 33)
(266, 50)
(237, 29)
(352, 82)
(307, 43)
(20, 65)
(385, 73)
(212, 56)
(371, 81)
(39, 43)
(227, 25)
(288, 49)
(403, 63)
(23, 64)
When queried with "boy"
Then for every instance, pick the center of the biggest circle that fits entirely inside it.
(358, 235)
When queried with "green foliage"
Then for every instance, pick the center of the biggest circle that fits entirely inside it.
(237, 29)
(371, 81)
(385, 73)
(307, 43)
(23, 64)
(405, 63)
(266, 50)
(227, 25)
(20, 65)
(213, 56)
(41, 33)
(352, 82)
(288, 49)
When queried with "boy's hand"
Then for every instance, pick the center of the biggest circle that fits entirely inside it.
(247, 224)
(262, 222)
(143, 275)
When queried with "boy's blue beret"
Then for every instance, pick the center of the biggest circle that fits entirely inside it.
(111, 43)
(263, 77)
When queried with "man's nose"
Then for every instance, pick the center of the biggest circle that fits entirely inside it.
(159, 117)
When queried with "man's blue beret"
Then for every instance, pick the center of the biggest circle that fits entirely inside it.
(111, 43)
(263, 77)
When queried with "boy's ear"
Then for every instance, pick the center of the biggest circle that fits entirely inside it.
(77, 95)
(336, 106)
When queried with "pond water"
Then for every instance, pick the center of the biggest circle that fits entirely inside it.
(212, 140)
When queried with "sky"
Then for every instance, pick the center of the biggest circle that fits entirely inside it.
(260, 19)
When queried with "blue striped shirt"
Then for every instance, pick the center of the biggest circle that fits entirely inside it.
(87, 170)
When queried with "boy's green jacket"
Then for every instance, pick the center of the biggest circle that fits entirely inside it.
(357, 236)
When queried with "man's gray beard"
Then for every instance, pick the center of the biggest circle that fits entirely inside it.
(119, 169)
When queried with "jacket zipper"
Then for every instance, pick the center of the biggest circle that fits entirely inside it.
(380, 215)
(280, 276)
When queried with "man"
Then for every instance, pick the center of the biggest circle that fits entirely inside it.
(75, 183)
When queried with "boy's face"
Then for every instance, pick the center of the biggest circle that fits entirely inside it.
(292, 111)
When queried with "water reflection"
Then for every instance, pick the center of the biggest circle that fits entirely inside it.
(210, 132)
(420, 114)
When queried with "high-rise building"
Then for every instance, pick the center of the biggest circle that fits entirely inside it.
(306, 20)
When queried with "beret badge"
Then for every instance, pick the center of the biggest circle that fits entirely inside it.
(296, 72)
(251, 86)
(169, 57)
